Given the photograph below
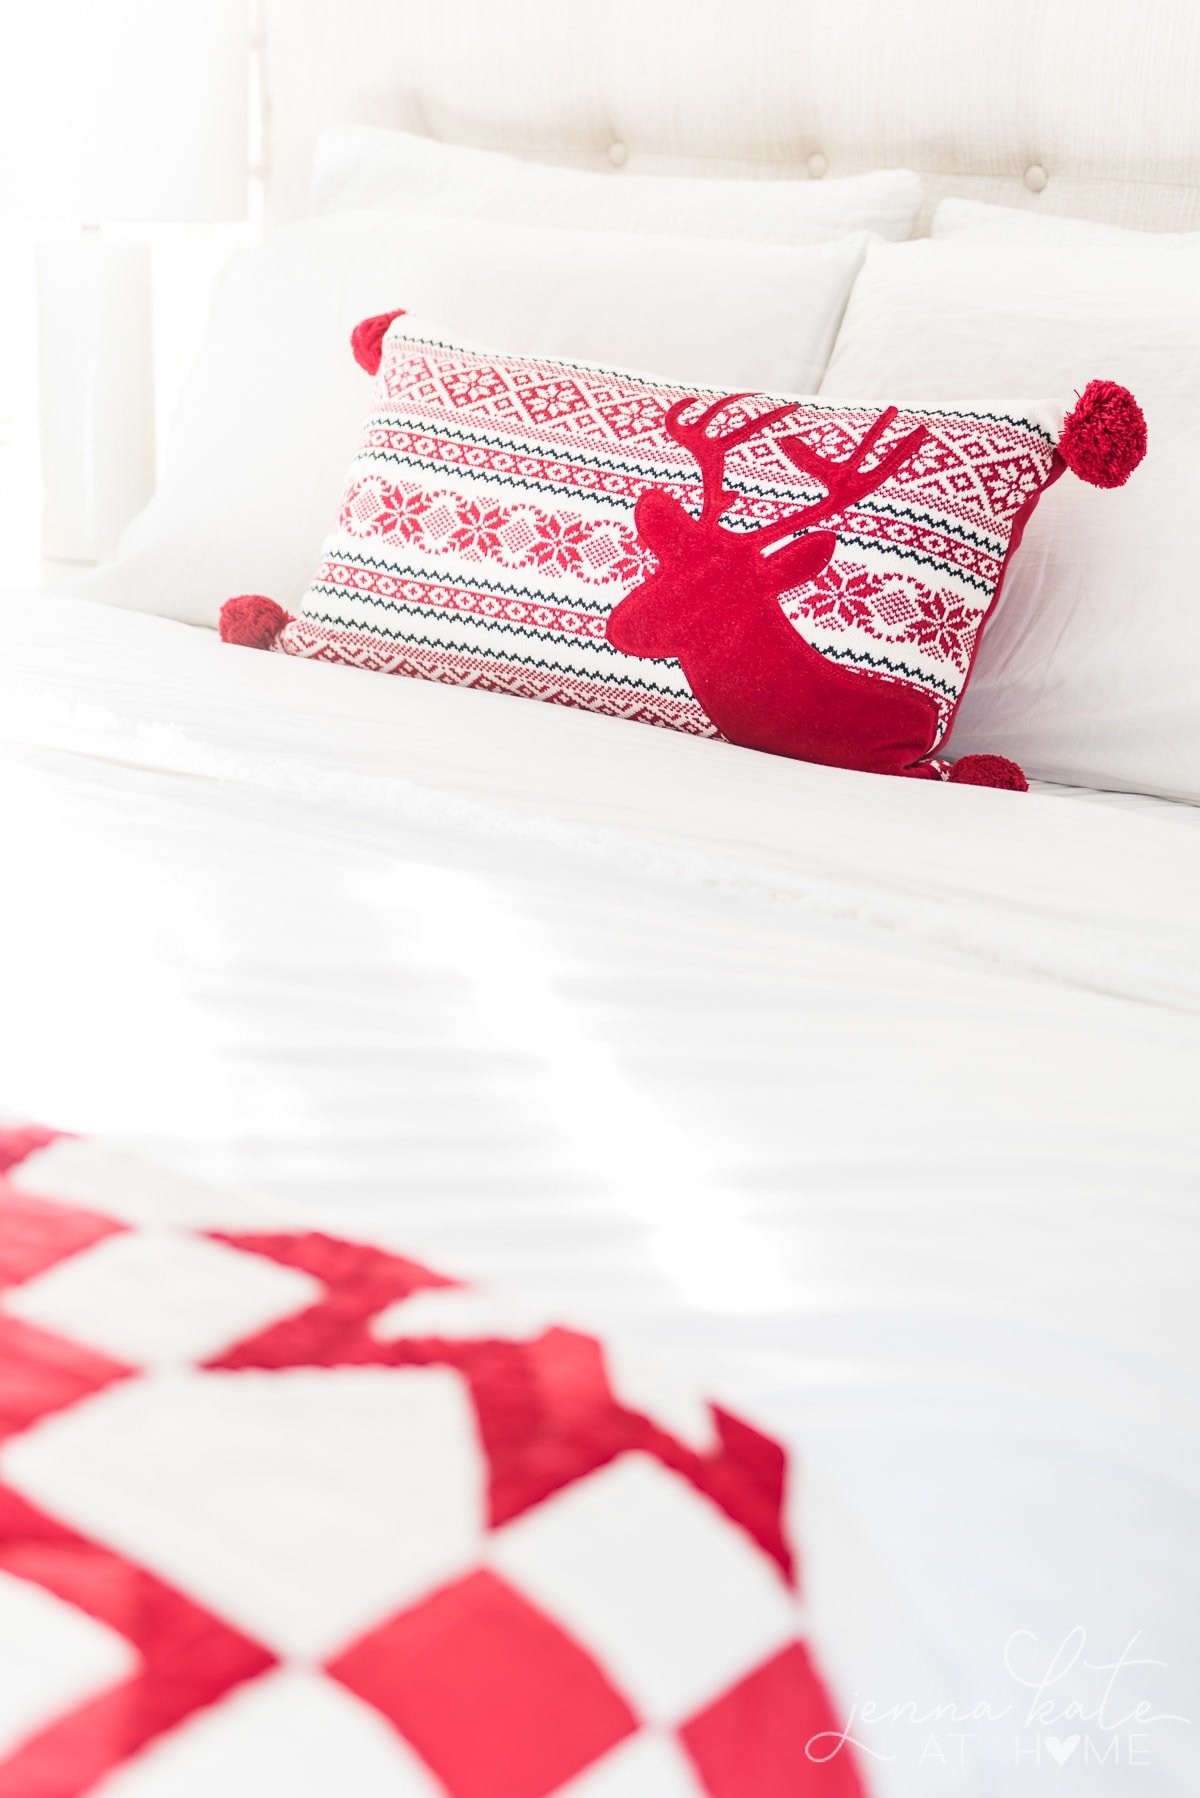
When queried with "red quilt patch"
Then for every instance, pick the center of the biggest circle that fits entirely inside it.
(505, 1670)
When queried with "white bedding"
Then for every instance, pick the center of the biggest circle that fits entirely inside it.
(870, 1101)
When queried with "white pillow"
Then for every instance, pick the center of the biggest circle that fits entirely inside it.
(1089, 672)
(363, 165)
(1009, 224)
(270, 416)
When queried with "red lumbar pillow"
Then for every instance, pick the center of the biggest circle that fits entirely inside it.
(803, 577)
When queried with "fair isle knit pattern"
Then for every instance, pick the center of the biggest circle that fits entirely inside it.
(487, 530)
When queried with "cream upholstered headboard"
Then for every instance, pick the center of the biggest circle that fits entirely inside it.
(1086, 107)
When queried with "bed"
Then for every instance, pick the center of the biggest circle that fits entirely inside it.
(361, 1029)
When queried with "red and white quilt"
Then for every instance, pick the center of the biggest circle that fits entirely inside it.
(281, 1512)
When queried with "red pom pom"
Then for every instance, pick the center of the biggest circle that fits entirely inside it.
(989, 771)
(1104, 438)
(252, 620)
(366, 340)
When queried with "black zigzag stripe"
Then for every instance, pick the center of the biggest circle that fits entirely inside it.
(413, 609)
(913, 555)
(598, 608)
(888, 666)
(482, 440)
(522, 482)
(605, 678)
(946, 527)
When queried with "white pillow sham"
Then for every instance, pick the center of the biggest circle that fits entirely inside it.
(269, 419)
(364, 165)
(1090, 671)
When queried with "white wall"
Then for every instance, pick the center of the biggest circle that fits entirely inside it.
(186, 263)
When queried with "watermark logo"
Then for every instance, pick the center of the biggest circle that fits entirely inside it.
(1054, 1706)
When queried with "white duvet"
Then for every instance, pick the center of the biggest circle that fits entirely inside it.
(869, 1102)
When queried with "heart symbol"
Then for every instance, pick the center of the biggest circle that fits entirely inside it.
(1062, 1751)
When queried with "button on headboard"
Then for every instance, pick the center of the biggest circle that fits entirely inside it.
(1086, 107)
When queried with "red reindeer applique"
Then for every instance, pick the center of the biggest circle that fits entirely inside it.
(713, 604)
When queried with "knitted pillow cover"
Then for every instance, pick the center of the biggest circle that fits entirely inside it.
(804, 577)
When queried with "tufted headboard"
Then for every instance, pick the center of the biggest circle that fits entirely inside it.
(1086, 107)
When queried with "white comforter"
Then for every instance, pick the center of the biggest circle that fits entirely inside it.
(870, 1102)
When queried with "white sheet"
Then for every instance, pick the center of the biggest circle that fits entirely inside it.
(871, 1101)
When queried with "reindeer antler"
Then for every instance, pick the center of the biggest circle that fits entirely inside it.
(845, 482)
(709, 453)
